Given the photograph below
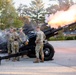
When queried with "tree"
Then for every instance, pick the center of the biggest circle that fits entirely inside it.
(8, 14)
(71, 2)
(53, 8)
(1, 4)
(64, 4)
(20, 9)
(35, 11)
(17, 23)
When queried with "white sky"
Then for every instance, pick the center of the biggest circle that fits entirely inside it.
(17, 2)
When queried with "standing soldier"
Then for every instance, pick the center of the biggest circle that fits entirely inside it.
(22, 35)
(9, 40)
(15, 44)
(39, 45)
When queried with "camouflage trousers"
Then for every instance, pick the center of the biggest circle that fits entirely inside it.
(9, 47)
(15, 49)
(39, 50)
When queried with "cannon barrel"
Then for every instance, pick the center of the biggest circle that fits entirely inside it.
(49, 32)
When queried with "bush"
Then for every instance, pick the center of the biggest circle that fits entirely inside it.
(62, 38)
(75, 37)
(56, 38)
(52, 39)
(70, 38)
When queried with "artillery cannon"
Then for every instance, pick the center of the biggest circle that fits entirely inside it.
(29, 49)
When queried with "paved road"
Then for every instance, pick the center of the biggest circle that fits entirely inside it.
(65, 53)
(64, 62)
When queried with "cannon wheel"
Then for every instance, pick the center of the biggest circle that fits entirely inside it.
(48, 52)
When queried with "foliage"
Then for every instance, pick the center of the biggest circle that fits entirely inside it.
(17, 23)
(53, 8)
(8, 14)
(62, 5)
(35, 11)
(62, 38)
(70, 38)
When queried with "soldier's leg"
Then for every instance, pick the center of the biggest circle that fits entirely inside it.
(37, 54)
(9, 48)
(13, 51)
(42, 53)
(37, 51)
(17, 50)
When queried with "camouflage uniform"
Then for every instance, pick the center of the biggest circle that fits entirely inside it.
(15, 44)
(39, 44)
(10, 40)
(23, 38)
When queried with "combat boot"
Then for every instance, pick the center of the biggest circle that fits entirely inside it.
(7, 59)
(36, 61)
(14, 59)
(42, 60)
(17, 59)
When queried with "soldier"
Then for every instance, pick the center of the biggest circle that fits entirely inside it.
(9, 40)
(39, 45)
(15, 44)
(22, 35)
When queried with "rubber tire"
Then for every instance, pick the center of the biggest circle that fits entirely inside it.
(51, 52)
(50, 57)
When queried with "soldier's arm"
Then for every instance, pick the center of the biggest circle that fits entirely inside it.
(25, 36)
(44, 36)
(37, 38)
(20, 39)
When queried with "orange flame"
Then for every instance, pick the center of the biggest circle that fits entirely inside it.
(62, 18)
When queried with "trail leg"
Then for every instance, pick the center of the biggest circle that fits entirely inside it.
(0, 60)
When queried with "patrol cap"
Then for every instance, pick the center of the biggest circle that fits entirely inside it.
(11, 27)
(14, 29)
(20, 28)
(38, 27)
